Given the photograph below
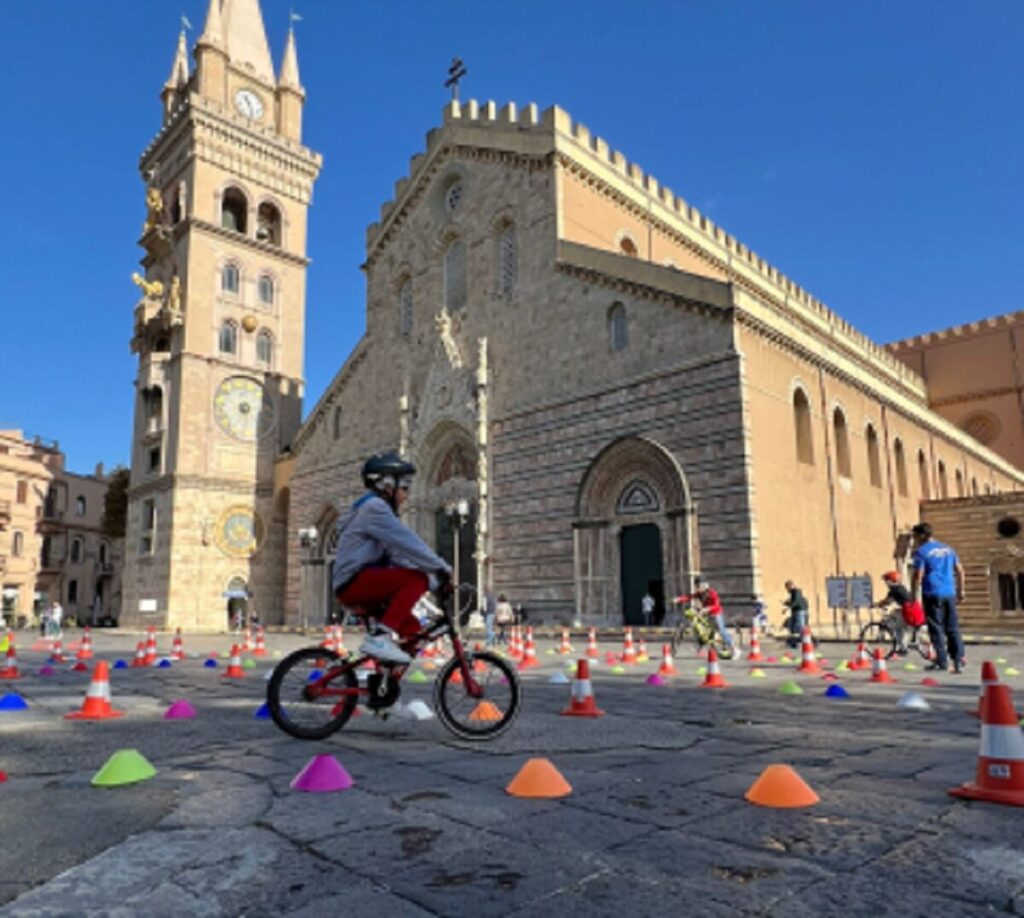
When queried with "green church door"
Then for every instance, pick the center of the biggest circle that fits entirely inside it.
(641, 569)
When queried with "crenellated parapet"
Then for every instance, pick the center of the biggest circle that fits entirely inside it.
(528, 132)
(959, 332)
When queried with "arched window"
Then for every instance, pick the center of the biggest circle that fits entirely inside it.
(507, 258)
(104, 554)
(922, 474)
(842, 435)
(229, 278)
(79, 506)
(265, 290)
(264, 347)
(18, 544)
(874, 462)
(901, 467)
(337, 422)
(76, 551)
(455, 276)
(234, 211)
(943, 485)
(228, 338)
(153, 408)
(974, 487)
(959, 483)
(628, 247)
(268, 224)
(405, 307)
(22, 493)
(802, 427)
(618, 331)
(72, 592)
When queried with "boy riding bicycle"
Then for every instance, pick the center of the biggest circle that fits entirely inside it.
(711, 606)
(381, 561)
(911, 613)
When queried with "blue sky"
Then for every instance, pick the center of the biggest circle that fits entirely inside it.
(870, 150)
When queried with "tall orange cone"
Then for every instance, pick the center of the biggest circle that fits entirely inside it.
(140, 655)
(234, 670)
(10, 670)
(989, 676)
(529, 659)
(97, 704)
(57, 654)
(713, 678)
(85, 649)
(755, 646)
(808, 661)
(260, 650)
(151, 647)
(328, 642)
(641, 651)
(668, 664)
(177, 648)
(592, 648)
(628, 651)
(247, 644)
(515, 648)
(860, 660)
(1000, 774)
(581, 702)
(565, 647)
(879, 672)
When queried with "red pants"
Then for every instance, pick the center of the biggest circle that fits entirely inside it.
(399, 587)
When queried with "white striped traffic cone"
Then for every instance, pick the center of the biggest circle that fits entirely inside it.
(755, 646)
(260, 650)
(1000, 774)
(151, 647)
(565, 647)
(582, 702)
(85, 648)
(861, 659)
(668, 665)
(234, 670)
(880, 672)
(808, 660)
(177, 648)
(592, 648)
(97, 704)
(713, 677)
(140, 655)
(529, 659)
(10, 670)
(628, 651)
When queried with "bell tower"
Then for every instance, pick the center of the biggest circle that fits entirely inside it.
(219, 330)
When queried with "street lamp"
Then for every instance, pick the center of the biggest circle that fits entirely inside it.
(309, 543)
(458, 511)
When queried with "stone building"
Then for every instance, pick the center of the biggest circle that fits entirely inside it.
(622, 392)
(52, 544)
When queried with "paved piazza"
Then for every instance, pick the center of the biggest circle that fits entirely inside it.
(656, 823)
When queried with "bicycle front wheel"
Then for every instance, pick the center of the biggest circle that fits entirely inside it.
(304, 704)
(678, 638)
(921, 639)
(484, 708)
(878, 636)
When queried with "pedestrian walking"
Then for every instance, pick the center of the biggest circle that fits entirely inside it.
(939, 580)
(490, 613)
(798, 608)
(504, 618)
(647, 608)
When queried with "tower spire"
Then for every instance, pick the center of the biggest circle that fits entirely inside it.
(213, 31)
(289, 76)
(179, 69)
(246, 38)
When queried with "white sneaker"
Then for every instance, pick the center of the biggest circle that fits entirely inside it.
(381, 647)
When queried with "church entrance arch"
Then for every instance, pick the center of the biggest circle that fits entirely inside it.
(634, 532)
(237, 595)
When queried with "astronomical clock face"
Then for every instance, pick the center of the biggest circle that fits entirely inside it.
(239, 532)
(243, 408)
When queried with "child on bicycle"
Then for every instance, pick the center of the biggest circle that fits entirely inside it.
(711, 606)
(381, 560)
(911, 611)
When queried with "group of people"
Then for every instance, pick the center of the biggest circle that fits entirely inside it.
(51, 620)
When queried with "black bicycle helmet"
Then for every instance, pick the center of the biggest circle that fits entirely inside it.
(378, 469)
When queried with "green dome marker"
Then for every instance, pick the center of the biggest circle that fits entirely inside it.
(618, 670)
(756, 673)
(1010, 671)
(418, 677)
(789, 687)
(842, 666)
(248, 663)
(702, 670)
(909, 666)
(126, 766)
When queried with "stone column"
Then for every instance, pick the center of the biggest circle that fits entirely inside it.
(483, 474)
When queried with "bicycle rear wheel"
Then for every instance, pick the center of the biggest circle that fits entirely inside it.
(678, 638)
(921, 639)
(481, 711)
(878, 636)
(306, 706)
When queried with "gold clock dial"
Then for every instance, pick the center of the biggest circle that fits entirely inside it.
(239, 532)
(243, 409)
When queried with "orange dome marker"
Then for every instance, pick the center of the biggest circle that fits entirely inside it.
(486, 710)
(539, 779)
(780, 787)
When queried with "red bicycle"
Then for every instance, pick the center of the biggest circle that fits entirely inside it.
(314, 691)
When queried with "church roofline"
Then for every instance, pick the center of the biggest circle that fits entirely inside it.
(319, 411)
(966, 330)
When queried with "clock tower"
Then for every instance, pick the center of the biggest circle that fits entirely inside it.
(218, 330)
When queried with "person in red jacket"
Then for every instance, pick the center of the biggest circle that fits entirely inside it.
(711, 605)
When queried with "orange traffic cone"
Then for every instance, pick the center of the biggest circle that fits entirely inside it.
(581, 702)
(641, 651)
(57, 654)
(668, 665)
(860, 660)
(260, 650)
(10, 670)
(592, 649)
(565, 647)
(529, 659)
(713, 678)
(247, 643)
(234, 670)
(515, 649)
(85, 649)
(151, 647)
(140, 655)
(328, 642)
(177, 649)
(755, 646)
(1000, 774)
(808, 662)
(879, 672)
(97, 705)
(628, 651)
(989, 676)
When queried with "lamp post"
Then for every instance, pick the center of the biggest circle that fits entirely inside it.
(458, 512)
(309, 543)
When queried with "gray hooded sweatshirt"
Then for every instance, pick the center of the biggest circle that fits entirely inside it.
(370, 534)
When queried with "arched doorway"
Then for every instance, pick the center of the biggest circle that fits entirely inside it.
(634, 532)
(237, 596)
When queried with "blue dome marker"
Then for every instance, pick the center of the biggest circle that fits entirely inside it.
(210, 664)
(316, 674)
(12, 701)
(263, 712)
(120, 664)
(164, 664)
(835, 690)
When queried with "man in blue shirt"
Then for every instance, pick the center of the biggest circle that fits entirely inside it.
(939, 578)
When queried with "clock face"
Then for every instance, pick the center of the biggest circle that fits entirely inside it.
(239, 532)
(243, 409)
(249, 104)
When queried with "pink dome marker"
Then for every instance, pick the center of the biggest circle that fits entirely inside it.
(180, 710)
(322, 774)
